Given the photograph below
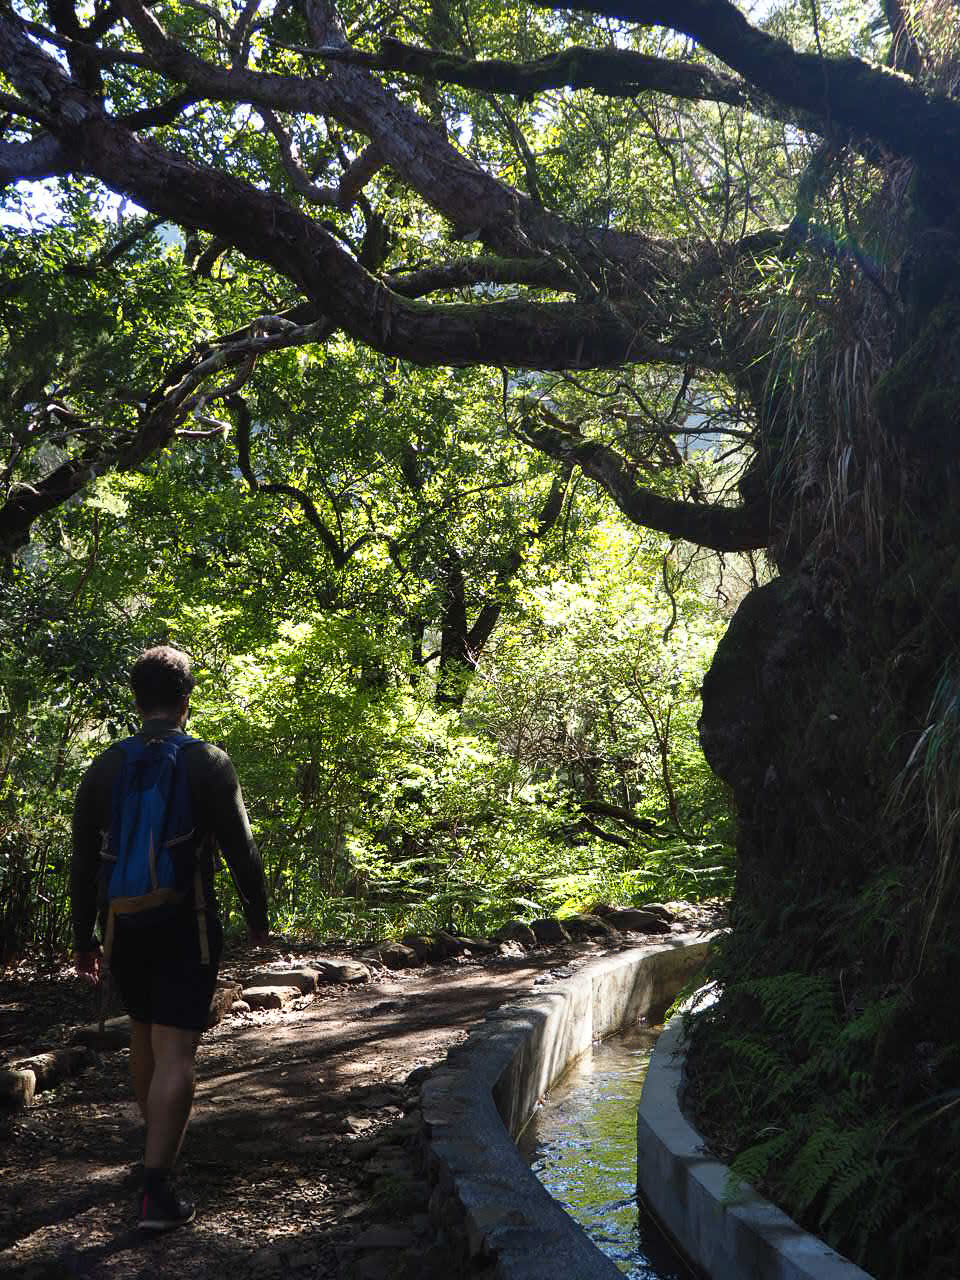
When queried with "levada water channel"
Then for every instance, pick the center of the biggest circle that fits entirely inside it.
(582, 1145)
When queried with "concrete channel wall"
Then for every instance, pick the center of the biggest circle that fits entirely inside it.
(490, 1211)
(743, 1237)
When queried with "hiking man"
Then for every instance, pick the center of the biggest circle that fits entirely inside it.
(163, 947)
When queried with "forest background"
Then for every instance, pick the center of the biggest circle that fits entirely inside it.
(394, 783)
(450, 378)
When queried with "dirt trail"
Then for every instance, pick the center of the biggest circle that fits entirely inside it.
(301, 1153)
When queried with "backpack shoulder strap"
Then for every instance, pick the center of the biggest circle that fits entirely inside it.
(185, 741)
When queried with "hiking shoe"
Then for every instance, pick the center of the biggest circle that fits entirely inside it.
(161, 1209)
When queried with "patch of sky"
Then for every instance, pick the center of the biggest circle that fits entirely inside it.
(30, 206)
(462, 126)
(36, 206)
(699, 438)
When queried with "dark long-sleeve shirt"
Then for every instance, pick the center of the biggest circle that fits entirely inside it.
(218, 812)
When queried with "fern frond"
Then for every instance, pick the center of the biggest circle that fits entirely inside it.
(749, 1167)
(844, 1187)
(828, 1155)
(876, 1019)
(803, 1004)
(760, 1056)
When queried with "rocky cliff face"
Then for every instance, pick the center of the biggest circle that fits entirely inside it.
(833, 711)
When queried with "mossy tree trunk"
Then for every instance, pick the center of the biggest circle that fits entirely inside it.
(832, 708)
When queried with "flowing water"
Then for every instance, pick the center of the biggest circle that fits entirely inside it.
(582, 1145)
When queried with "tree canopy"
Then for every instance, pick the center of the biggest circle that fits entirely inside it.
(525, 187)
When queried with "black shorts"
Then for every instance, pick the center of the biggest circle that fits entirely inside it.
(158, 971)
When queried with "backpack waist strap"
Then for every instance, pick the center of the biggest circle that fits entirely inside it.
(158, 898)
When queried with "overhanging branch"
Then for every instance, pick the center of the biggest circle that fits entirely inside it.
(744, 528)
(42, 157)
(536, 273)
(844, 93)
(619, 72)
(181, 394)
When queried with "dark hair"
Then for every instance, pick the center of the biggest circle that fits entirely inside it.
(161, 678)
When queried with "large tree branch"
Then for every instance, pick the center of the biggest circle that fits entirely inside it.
(339, 554)
(474, 202)
(550, 336)
(560, 335)
(536, 273)
(186, 391)
(706, 524)
(622, 73)
(42, 157)
(514, 333)
(844, 93)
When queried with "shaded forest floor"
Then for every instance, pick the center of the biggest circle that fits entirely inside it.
(302, 1154)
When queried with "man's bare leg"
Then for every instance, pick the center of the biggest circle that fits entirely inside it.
(141, 1062)
(170, 1096)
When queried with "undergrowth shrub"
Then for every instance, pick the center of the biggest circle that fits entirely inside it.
(831, 1103)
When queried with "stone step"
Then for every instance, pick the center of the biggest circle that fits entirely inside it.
(270, 997)
(342, 971)
(305, 980)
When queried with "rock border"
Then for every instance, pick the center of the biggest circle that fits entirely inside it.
(21, 1080)
(685, 1188)
(488, 1209)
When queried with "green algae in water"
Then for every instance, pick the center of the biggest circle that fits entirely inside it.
(582, 1145)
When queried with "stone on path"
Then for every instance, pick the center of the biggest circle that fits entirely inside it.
(17, 1087)
(239, 1006)
(634, 920)
(586, 925)
(225, 995)
(482, 946)
(441, 945)
(516, 931)
(272, 997)
(658, 909)
(424, 946)
(354, 1124)
(512, 950)
(115, 1034)
(393, 955)
(342, 971)
(305, 980)
(450, 944)
(549, 930)
(28, 1076)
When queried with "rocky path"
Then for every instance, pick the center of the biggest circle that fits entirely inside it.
(302, 1152)
(300, 1155)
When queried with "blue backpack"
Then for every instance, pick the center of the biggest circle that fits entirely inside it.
(153, 841)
